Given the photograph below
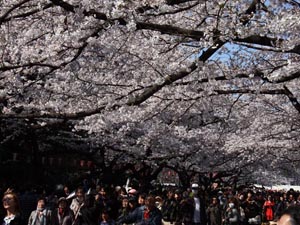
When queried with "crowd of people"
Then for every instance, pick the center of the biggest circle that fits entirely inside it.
(128, 206)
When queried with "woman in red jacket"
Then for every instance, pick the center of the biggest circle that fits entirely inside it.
(268, 209)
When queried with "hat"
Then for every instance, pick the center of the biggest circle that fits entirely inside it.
(132, 191)
(195, 186)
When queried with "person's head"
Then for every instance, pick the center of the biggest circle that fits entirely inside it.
(214, 201)
(290, 216)
(11, 202)
(291, 197)
(105, 215)
(232, 202)
(132, 203)
(66, 190)
(178, 195)
(170, 194)
(195, 189)
(150, 202)
(158, 201)
(141, 199)
(102, 191)
(80, 193)
(241, 197)
(249, 196)
(125, 202)
(41, 203)
(62, 203)
(269, 198)
(123, 191)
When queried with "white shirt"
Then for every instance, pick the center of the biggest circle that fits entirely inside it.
(196, 218)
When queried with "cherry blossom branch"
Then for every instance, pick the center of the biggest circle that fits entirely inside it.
(3, 17)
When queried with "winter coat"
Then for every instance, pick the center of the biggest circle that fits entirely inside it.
(18, 220)
(65, 219)
(45, 217)
(135, 216)
(268, 210)
(232, 216)
(214, 215)
(168, 210)
(153, 218)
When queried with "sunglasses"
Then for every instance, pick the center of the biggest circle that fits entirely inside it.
(7, 199)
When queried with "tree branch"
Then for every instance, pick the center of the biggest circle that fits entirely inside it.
(172, 30)
(66, 6)
(259, 40)
(2, 18)
(177, 2)
(292, 98)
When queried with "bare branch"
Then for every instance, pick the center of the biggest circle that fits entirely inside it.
(168, 29)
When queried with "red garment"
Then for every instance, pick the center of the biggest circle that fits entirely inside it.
(268, 209)
(146, 214)
(61, 211)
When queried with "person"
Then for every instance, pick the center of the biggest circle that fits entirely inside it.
(199, 211)
(158, 202)
(290, 216)
(78, 201)
(143, 215)
(151, 215)
(214, 212)
(280, 206)
(268, 209)
(124, 210)
(66, 191)
(185, 210)
(141, 199)
(106, 200)
(232, 216)
(11, 205)
(84, 209)
(42, 215)
(106, 219)
(168, 207)
(251, 209)
(62, 215)
(178, 212)
(135, 215)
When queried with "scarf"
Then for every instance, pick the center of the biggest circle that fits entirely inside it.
(8, 219)
(40, 217)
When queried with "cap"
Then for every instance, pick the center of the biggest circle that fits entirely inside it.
(132, 191)
(117, 188)
(195, 186)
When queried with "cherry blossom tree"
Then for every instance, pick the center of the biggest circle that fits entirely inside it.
(193, 85)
